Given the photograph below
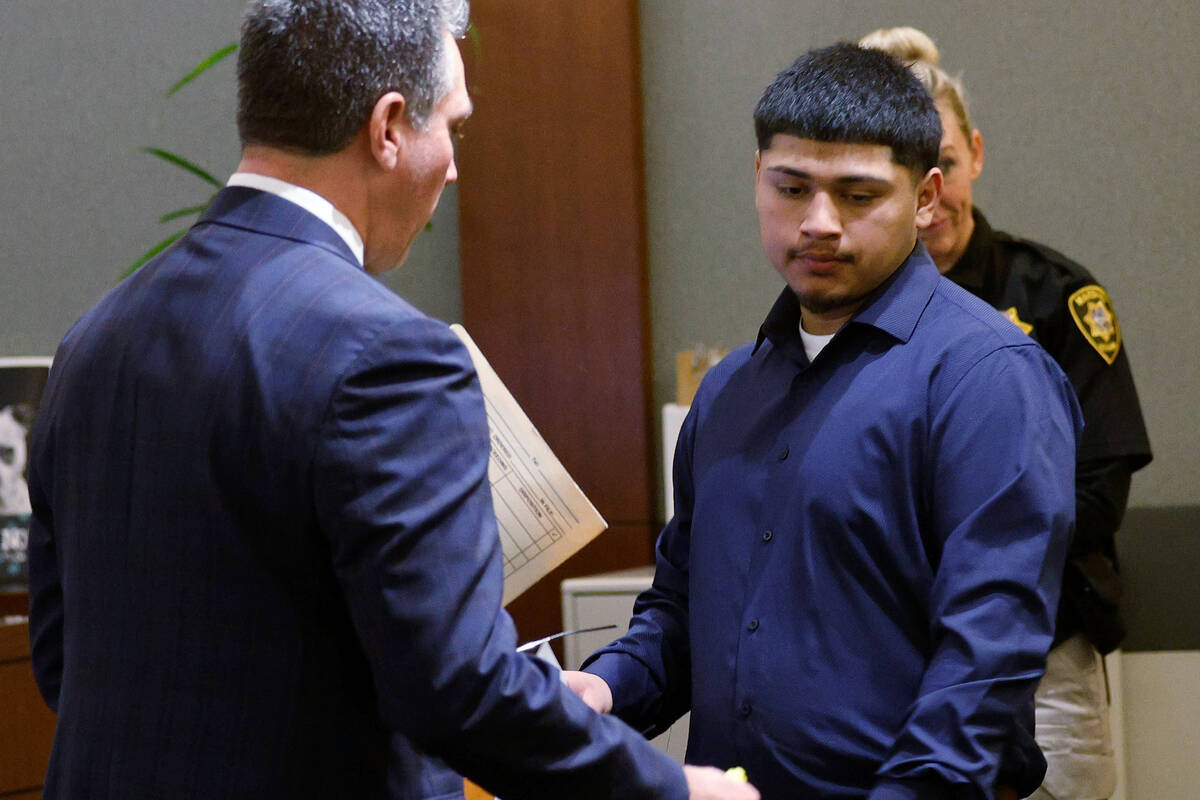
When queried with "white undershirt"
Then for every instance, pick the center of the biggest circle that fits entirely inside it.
(814, 343)
(307, 199)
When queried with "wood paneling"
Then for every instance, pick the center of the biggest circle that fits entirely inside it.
(26, 724)
(552, 232)
(14, 604)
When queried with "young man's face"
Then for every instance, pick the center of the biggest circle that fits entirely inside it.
(837, 220)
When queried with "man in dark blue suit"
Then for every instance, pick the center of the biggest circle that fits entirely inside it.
(263, 561)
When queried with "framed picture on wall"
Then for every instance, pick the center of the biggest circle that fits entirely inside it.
(21, 383)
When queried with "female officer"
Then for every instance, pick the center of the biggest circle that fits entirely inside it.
(1060, 304)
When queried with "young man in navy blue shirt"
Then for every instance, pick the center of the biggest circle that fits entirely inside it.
(873, 501)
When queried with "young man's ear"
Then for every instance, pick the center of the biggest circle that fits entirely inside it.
(929, 191)
(385, 129)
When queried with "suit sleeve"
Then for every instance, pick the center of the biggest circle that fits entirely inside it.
(45, 578)
(1000, 503)
(400, 477)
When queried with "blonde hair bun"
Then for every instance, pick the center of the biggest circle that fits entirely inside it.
(904, 44)
(917, 51)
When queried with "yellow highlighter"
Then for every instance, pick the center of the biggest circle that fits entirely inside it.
(737, 774)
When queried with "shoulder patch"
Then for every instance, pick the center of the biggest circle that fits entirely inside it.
(1093, 313)
(1011, 313)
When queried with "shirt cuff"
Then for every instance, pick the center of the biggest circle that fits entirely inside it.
(626, 677)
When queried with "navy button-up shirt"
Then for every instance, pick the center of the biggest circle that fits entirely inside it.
(856, 594)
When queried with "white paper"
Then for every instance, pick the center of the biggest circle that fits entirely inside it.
(543, 516)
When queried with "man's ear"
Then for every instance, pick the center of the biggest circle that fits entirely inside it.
(929, 191)
(386, 128)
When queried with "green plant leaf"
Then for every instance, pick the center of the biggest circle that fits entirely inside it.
(182, 163)
(152, 252)
(182, 212)
(202, 66)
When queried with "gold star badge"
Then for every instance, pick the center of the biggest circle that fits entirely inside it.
(1093, 313)
(1011, 313)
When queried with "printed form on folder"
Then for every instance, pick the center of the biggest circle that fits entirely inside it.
(543, 516)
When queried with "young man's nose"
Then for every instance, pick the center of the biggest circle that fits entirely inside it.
(821, 218)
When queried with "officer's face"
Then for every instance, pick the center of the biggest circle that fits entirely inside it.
(837, 219)
(961, 162)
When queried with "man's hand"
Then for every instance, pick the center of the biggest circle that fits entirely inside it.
(592, 689)
(704, 783)
(710, 783)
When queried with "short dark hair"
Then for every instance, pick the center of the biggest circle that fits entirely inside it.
(846, 93)
(311, 71)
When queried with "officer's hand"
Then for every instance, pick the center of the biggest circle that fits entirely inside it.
(709, 783)
(592, 689)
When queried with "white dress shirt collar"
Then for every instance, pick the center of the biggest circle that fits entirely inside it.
(309, 200)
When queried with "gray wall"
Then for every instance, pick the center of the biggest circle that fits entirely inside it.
(82, 87)
(1089, 113)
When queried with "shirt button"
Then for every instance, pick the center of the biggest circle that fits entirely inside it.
(783, 454)
(744, 711)
(768, 536)
(752, 626)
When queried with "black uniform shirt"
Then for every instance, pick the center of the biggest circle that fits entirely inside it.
(1060, 305)
(1037, 283)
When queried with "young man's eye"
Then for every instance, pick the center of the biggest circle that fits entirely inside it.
(862, 199)
(945, 165)
(789, 190)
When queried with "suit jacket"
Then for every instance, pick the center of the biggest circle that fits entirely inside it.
(263, 559)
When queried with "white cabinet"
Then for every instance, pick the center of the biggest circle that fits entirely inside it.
(607, 599)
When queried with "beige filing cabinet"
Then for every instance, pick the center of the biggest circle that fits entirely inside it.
(607, 599)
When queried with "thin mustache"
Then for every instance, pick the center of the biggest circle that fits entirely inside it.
(816, 252)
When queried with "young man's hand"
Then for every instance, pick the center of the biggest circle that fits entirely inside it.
(704, 783)
(591, 689)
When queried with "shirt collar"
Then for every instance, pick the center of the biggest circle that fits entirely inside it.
(894, 307)
(971, 269)
(307, 199)
(782, 326)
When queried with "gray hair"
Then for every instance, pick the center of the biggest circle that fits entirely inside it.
(311, 71)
